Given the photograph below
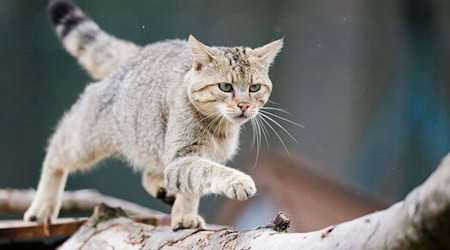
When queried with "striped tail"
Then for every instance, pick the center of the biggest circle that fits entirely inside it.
(98, 52)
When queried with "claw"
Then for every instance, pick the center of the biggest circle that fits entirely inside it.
(179, 227)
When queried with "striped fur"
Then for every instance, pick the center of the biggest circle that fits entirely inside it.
(162, 109)
(195, 175)
(98, 52)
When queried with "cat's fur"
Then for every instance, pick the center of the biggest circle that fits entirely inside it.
(159, 107)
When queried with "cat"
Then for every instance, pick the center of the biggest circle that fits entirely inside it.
(173, 109)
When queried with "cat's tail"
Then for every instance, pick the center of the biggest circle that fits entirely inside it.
(98, 52)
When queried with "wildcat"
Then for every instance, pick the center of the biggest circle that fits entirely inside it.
(173, 109)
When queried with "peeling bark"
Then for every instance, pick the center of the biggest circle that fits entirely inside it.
(421, 221)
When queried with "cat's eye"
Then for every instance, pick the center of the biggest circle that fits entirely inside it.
(255, 87)
(225, 87)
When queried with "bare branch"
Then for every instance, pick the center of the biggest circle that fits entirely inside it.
(13, 200)
(421, 221)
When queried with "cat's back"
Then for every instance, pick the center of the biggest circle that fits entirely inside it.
(145, 83)
(168, 58)
(155, 68)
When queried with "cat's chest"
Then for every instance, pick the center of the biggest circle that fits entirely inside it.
(221, 149)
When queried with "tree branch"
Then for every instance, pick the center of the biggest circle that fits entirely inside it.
(421, 221)
(13, 200)
(17, 201)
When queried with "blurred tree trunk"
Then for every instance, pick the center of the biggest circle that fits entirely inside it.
(421, 221)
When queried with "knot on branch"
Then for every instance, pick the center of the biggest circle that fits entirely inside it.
(281, 223)
(103, 212)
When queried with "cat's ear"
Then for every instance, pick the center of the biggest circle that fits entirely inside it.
(267, 53)
(201, 54)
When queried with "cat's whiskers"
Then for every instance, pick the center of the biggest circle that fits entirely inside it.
(258, 140)
(226, 126)
(276, 133)
(206, 117)
(262, 119)
(264, 130)
(206, 129)
(203, 129)
(280, 117)
(253, 135)
(279, 125)
(273, 102)
(222, 118)
(276, 109)
(259, 129)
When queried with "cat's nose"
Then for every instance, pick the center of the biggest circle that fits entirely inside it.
(243, 106)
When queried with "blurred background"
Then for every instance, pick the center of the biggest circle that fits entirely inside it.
(369, 80)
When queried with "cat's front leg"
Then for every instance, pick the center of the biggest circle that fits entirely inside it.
(191, 177)
(196, 175)
(185, 212)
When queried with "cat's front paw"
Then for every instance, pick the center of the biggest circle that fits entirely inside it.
(240, 187)
(41, 212)
(187, 221)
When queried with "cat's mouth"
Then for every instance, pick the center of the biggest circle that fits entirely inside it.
(241, 117)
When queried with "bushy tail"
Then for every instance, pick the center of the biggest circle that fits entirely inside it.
(98, 52)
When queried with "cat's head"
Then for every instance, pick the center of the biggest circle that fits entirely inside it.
(231, 82)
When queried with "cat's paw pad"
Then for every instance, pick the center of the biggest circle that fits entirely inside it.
(164, 197)
(42, 213)
(187, 221)
(240, 188)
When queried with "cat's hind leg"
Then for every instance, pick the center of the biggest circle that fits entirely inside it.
(78, 143)
(47, 202)
(59, 162)
(154, 185)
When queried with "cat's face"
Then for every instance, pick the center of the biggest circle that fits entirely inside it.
(231, 83)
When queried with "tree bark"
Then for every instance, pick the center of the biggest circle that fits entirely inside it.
(421, 221)
(85, 200)
(18, 200)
